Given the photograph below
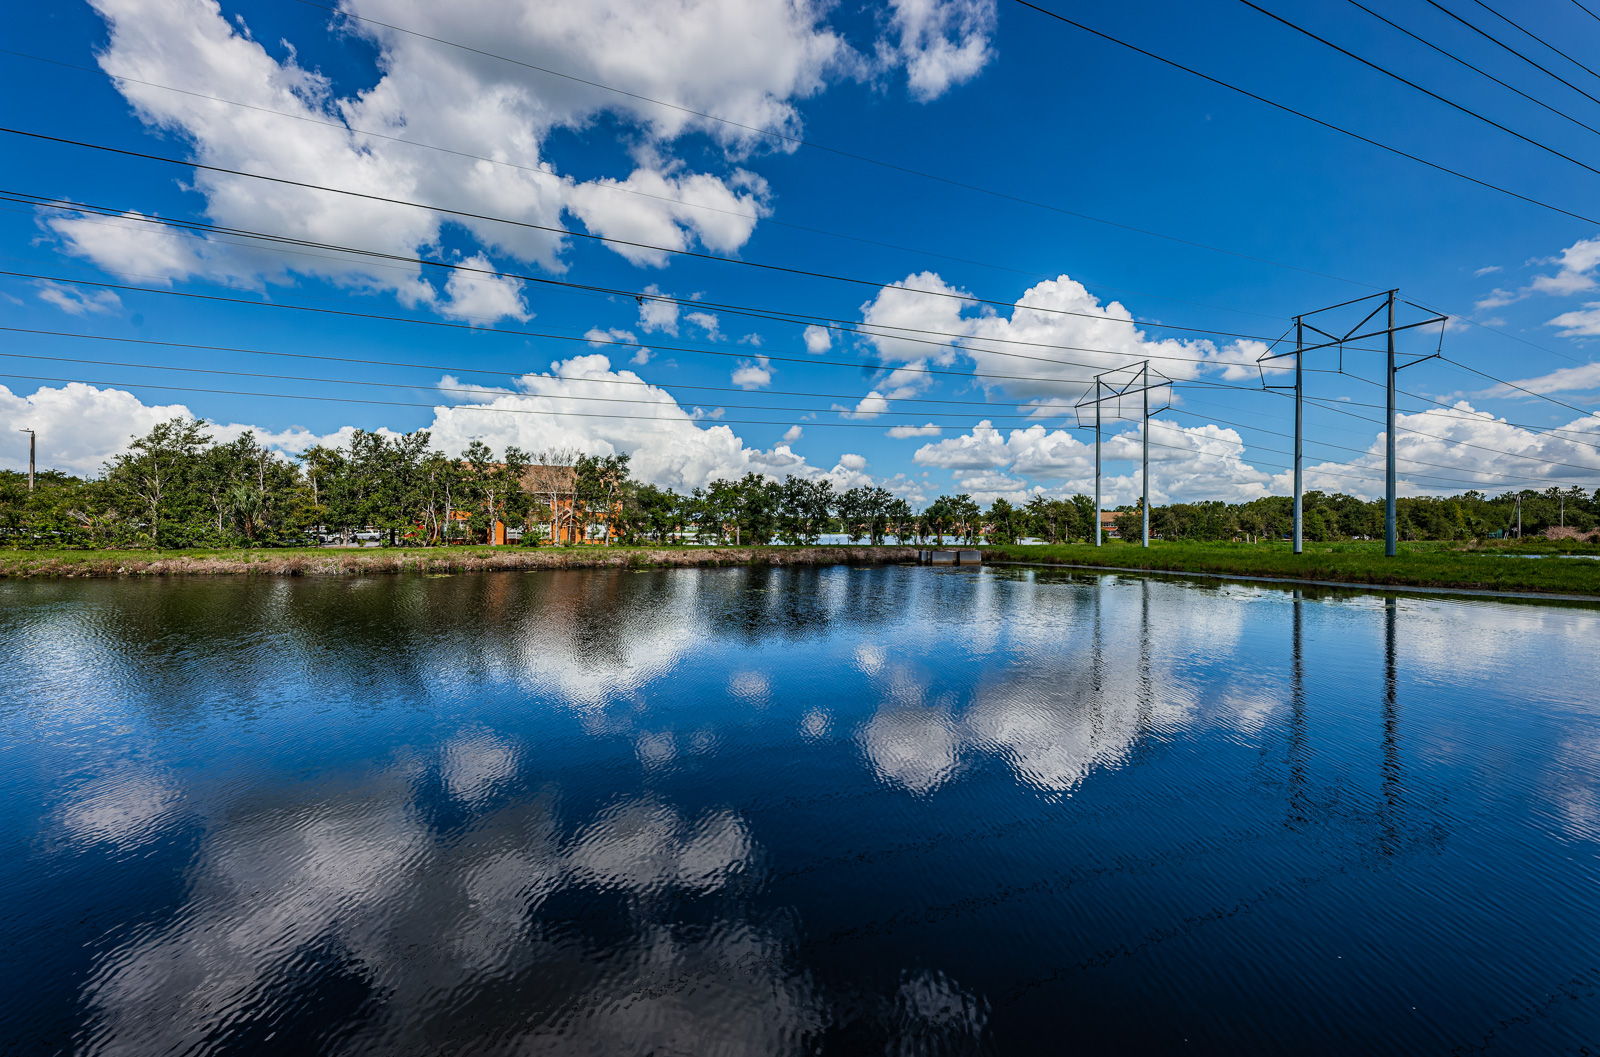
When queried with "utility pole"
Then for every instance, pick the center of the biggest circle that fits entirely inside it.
(1391, 532)
(1339, 338)
(1299, 435)
(1097, 463)
(33, 447)
(1519, 515)
(1144, 467)
(1138, 381)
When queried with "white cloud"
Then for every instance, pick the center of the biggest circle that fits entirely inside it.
(128, 246)
(818, 340)
(941, 42)
(928, 430)
(1577, 264)
(708, 322)
(1438, 436)
(1489, 269)
(482, 298)
(792, 434)
(76, 301)
(1579, 323)
(426, 93)
(1564, 380)
(1575, 273)
(870, 406)
(1203, 462)
(657, 315)
(1497, 298)
(669, 217)
(81, 426)
(78, 426)
(1061, 332)
(606, 338)
(753, 374)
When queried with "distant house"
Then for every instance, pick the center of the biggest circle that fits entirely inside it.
(557, 514)
(1108, 523)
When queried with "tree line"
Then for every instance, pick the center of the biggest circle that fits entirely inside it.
(178, 487)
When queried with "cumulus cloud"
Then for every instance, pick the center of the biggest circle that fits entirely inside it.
(941, 43)
(657, 315)
(917, 321)
(792, 434)
(1579, 323)
(708, 322)
(1204, 462)
(818, 340)
(721, 215)
(482, 298)
(297, 123)
(1437, 437)
(928, 430)
(1564, 380)
(753, 374)
(81, 426)
(870, 406)
(605, 338)
(1576, 267)
(76, 301)
(1575, 272)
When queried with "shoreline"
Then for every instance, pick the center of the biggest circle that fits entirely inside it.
(1475, 573)
(1293, 581)
(24, 565)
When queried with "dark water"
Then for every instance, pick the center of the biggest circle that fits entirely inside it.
(845, 811)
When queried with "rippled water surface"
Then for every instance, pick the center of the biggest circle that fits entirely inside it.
(845, 811)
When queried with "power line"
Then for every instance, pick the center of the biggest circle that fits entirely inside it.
(799, 141)
(1579, 5)
(1491, 38)
(773, 315)
(1536, 38)
(1484, 418)
(683, 417)
(470, 369)
(1305, 116)
(1279, 451)
(607, 239)
(326, 379)
(1476, 69)
(1364, 451)
(906, 169)
(797, 359)
(1470, 444)
(585, 339)
(1542, 396)
(545, 171)
(1413, 84)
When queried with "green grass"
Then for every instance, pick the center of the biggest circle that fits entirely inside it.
(1418, 564)
(293, 560)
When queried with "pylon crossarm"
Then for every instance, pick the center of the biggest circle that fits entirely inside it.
(1419, 359)
(1341, 342)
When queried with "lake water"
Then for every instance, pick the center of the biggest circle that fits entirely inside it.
(888, 810)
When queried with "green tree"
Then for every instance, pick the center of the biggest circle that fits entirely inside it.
(160, 477)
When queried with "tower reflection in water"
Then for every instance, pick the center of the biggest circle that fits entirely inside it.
(789, 811)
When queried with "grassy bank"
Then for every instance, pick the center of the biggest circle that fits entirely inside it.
(1418, 564)
(316, 561)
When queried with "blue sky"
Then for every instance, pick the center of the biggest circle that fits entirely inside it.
(995, 96)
